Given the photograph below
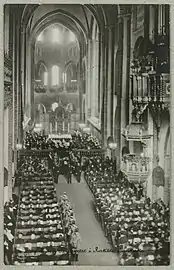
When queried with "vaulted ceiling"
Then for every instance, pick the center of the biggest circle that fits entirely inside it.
(78, 18)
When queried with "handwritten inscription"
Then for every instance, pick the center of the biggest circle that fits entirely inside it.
(96, 249)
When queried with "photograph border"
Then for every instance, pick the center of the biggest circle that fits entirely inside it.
(2, 127)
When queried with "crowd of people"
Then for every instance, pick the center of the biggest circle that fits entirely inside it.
(10, 213)
(40, 233)
(78, 140)
(137, 228)
(71, 228)
(84, 141)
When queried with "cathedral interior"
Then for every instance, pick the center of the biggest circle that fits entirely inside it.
(86, 136)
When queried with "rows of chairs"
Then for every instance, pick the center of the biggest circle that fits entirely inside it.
(10, 213)
(137, 228)
(40, 237)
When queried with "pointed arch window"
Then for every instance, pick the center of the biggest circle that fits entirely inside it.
(64, 77)
(45, 78)
(55, 75)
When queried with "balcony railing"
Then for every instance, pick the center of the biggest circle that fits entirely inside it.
(150, 88)
(135, 167)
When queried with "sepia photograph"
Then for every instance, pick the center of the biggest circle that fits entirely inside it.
(86, 135)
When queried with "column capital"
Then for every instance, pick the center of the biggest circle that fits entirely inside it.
(111, 26)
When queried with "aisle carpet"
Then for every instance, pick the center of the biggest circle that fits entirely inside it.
(92, 235)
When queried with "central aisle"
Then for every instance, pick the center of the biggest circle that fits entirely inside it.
(92, 235)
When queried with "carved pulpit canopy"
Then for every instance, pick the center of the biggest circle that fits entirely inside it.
(136, 132)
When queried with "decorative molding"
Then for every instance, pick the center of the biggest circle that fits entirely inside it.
(136, 132)
(136, 168)
(94, 121)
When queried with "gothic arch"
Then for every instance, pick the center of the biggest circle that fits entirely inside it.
(65, 18)
(167, 140)
(139, 47)
(41, 106)
(39, 65)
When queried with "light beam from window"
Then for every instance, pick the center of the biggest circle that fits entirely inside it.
(45, 78)
(55, 75)
(72, 37)
(56, 35)
(40, 37)
(64, 77)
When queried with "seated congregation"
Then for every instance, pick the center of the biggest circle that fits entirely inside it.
(41, 228)
(45, 227)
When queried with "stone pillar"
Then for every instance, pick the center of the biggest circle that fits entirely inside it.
(96, 90)
(28, 78)
(15, 108)
(5, 151)
(125, 77)
(99, 74)
(93, 81)
(88, 79)
(119, 62)
(150, 155)
(110, 71)
(81, 84)
(106, 57)
(32, 101)
(10, 141)
(1, 104)
(19, 89)
(102, 87)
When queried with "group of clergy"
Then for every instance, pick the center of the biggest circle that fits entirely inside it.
(70, 225)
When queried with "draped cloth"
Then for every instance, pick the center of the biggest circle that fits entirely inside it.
(158, 176)
(158, 192)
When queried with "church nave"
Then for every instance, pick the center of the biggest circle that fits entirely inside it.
(92, 235)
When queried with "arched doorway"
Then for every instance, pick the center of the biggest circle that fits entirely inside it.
(167, 167)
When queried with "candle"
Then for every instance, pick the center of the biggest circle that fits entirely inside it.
(68, 127)
(56, 129)
(50, 127)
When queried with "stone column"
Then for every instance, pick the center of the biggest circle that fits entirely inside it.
(15, 108)
(124, 89)
(102, 86)
(10, 141)
(1, 104)
(96, 77)
(32, 101)
(105, 83)
(88, 78)
(117, 131)
(110, 71)
(92, 76)
(81, 84)
(150, 155)
(28, 77)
